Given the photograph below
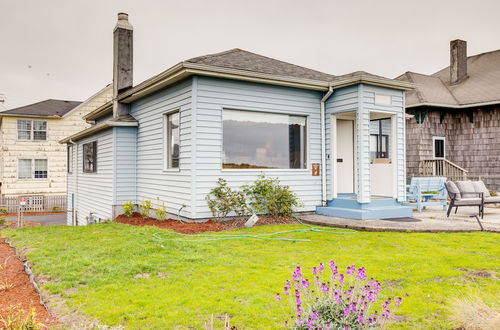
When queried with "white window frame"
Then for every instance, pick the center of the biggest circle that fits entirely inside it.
(166, 144)
(32, 130)
(307, 145)
(442, 138)
(32, 169)
(94, 154)
(70, 163)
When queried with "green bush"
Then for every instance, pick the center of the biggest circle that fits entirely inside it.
(269, 196)
(3, 210)
(161, 211)
(2, 221)
(56, 209)
(128, 208)
(222, 200)
(145, 208)
(493, 193)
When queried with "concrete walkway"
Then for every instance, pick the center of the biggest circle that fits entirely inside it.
(44, 220)
(433, 219)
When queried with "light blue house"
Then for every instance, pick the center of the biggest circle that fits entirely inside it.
(236, 115)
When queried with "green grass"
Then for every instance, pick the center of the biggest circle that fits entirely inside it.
(188, 282)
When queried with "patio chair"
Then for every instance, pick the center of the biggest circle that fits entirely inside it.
(465, 193)
(488, 199)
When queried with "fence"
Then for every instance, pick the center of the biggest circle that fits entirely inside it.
(34, 203)
(442, 167)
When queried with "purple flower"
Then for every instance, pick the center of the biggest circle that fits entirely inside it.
(386, 313)
(321, 267)
(298, 301)
(347, 311)
(370, 296)
(338, 298)
(346, 327)
(278, 297)
(315, 271)
(310, 323)
(297, 274)
(361, 318)
(314, 316)
(299, 322)
(306, 284)
(361, 273)
(351, 270)
(399, 301)
(325, 288)
(341, 279)
(386, 303)
(328, 327)
(299, 310)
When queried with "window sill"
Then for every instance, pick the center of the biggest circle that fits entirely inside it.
(296, 170)
(171, 170)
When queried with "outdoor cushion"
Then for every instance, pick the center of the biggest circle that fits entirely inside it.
(468, 202)
(480, 187)
(492, 199)
(453, 190)
(466, 187)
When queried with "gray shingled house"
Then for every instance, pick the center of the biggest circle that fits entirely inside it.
(455, 129)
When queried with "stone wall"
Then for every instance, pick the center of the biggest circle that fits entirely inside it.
(472, 146)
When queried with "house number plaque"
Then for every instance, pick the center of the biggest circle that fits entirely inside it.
(315, 169)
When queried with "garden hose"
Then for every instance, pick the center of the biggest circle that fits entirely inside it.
(217, 237)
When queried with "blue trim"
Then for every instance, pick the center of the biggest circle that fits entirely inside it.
(347, 206)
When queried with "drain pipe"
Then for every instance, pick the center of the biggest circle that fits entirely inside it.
(323, 144)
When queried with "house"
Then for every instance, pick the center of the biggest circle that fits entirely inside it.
(455, 131)
(32, 162)
(235, 115)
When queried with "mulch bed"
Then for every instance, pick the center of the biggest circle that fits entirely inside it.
(198, 227)
(16, 290)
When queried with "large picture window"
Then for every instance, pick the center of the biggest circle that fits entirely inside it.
(264, 140)
(32, 169)
(172, 140)
(29, 130)
(90, 157)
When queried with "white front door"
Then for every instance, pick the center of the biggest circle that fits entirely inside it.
(345, 156)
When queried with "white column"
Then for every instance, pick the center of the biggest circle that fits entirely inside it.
(363, 149)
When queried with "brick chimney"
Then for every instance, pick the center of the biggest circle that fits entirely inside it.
(458, 61)
(122, 62)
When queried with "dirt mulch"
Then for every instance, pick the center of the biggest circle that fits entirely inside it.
(13, 224)
(198, 227)
(16, 290)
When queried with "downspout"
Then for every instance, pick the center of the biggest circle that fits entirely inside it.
(74, 220)
(323, 144)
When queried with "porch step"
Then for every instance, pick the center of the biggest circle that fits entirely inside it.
(352, 203)
(366, 213)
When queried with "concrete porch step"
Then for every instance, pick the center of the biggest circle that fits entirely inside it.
(374, 212)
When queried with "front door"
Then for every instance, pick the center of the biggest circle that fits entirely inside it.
(345, 156)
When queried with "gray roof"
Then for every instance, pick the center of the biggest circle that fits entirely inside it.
(240, 59)
(482, 84)
(44, 108)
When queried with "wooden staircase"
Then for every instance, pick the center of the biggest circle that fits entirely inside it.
(442, 167)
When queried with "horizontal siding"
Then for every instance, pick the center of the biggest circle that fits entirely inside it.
(342, 100)
(94, 190)
(212, 96)
(171, 187)
(125, 164)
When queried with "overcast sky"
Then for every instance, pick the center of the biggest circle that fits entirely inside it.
(62, 49)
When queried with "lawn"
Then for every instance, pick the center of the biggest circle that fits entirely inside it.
(123, 275)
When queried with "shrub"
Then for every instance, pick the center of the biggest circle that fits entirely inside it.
(161, 211)
(222, 200)
(17, 320)
(493, 193)
(56, 209)
(340, 301)
(145, 208)
(268, 196)
(128, 208)
(2, 221)
(3, 210)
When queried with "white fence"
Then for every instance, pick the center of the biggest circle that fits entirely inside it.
(34, 203)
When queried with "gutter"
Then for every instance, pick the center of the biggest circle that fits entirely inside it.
(97, 128)
(323, 144)
(451, 106)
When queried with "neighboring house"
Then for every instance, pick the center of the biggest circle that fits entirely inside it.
(456, 124)
(32, 162)
(235, 115)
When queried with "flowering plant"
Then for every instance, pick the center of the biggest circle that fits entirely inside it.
(337, 301)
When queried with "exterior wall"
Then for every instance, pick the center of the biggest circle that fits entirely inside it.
(93, 192)
(55, 153)
(213, 95)
(172, 186)
(472, 146)
(124, 150)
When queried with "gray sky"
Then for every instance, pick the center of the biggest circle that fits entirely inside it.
(62, 49)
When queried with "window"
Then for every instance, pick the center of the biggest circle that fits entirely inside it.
(90, 157)
(439, 146)
(172, 140)
(379, 138)
(32, 169)
(70, 158)
(264, 140)
(29, 130)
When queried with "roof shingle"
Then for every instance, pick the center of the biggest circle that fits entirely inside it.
(45, 108)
